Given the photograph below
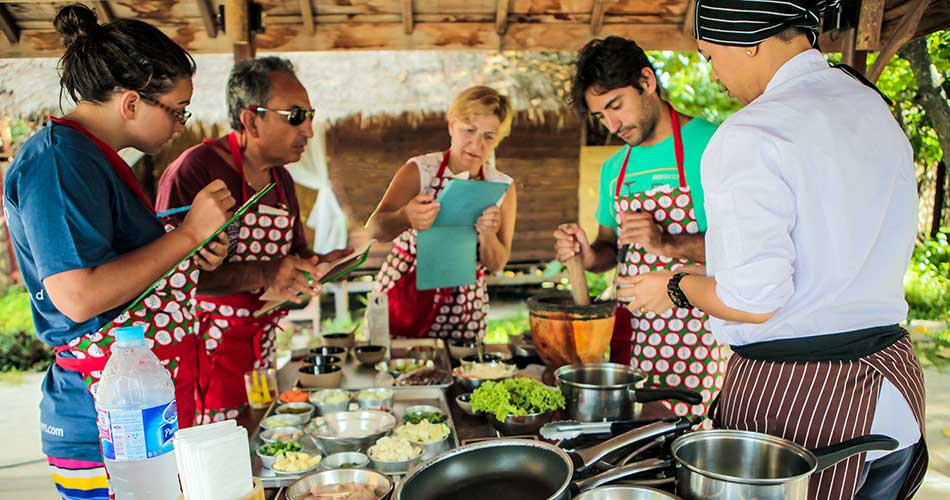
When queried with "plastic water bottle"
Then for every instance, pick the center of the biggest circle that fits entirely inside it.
(137, 420)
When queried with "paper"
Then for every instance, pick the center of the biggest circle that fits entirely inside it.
(334, 271)
(446, 253)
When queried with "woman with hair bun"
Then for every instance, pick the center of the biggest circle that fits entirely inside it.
(88, 240)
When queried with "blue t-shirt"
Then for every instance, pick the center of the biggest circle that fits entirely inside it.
(66, 210)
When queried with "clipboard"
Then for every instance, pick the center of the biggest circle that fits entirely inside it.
(237, 214)
(338, 268)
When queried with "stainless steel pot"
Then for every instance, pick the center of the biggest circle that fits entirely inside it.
(609, 391)
(519, 469)
(742, 464)
(626, 493)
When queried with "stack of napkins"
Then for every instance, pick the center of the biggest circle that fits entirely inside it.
(214, 461)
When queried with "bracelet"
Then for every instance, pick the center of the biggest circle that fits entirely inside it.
(676, 294)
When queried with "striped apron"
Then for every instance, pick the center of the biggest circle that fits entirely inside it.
(818, 403)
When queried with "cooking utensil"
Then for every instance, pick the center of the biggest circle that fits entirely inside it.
(520, 469)
(744, 464)
(596, 392)
(301, 489)
(578, 279)
(625, 493)
(572, 429)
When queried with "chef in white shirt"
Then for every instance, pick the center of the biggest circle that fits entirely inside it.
(812, 207)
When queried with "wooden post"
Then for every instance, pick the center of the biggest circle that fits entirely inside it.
(501, 16)
(940, 194)
(8, 25)
(208, 18)
(104, 12)
(870, 21)
(306, 10)
(857, 59)
(407, 16)
(597, 16)
(689, 18)
(237, 26)
(903, 34)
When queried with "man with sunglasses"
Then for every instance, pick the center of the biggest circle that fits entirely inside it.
(271, 122)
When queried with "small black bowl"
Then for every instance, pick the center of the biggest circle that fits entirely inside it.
(322, 360)
(464, 343)
(364, 349)
(319, 369)
(488, 357)
(328, 351)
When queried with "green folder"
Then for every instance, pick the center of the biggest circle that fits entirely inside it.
(237, 214)
(446, 253)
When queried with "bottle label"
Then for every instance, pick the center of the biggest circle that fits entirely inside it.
(138, 434)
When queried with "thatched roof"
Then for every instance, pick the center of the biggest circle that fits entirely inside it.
(370, 84)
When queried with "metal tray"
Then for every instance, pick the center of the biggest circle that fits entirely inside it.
(403, 397)
(357, 376)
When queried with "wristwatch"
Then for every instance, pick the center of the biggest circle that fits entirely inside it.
(676, 294)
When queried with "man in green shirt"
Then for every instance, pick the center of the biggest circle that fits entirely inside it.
(650, 214)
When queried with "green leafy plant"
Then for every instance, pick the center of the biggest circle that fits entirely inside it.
(20, 348)
(927, 282)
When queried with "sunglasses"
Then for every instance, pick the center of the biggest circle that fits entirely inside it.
(179, 115)
(295, 116)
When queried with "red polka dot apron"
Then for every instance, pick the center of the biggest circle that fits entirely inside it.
(457, 312)
(675, 348)
(164, 312)
(234, 341)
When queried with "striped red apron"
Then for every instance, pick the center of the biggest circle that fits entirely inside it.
(817, 404)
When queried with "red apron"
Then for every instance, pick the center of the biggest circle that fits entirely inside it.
(165, 314)
(235, 342)
(817, 404)
(675, 348)
(458, 312)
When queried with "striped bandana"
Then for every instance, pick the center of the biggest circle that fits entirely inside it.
(746, 23)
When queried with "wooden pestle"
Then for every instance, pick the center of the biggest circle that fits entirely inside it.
(575, 273)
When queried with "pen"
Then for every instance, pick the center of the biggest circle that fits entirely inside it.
(173, 211)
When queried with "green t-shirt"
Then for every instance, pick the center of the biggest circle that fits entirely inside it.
(655, 166)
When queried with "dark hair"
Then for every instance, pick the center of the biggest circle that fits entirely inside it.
(606, 64)
(249, 84)
(124, 54)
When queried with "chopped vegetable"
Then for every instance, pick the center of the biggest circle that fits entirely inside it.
(423, 432)
(434, 417)
(332, 396)
(278, 447)
(292, 461)
(393, 449)
(516, 396)
(294, 395)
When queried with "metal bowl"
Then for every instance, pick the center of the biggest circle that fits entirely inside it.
(399, 467)
(304, 411)
(458, 349)
(521, 425)
(488, 357)
(268, 435)
(326, 408)
(266, 460)
(338, 460)
(465, 403)
(350, 430)
(625, 493)
(432, 448)
(423, 352)
(301, 488)
(397, 366)
(375, 398)
(470, 384)
(425, 409)
(286, 420)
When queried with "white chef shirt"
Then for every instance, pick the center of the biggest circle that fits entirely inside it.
(811, 199)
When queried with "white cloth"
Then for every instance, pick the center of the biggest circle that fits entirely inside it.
(429, 167)
(812, 206)
(326, 217)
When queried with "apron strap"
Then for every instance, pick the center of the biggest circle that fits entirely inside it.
(162, 352)
(119, 166)
(677, 148)
(445, 163)
(234, 149)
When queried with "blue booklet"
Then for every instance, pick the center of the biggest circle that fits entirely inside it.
(446, 253)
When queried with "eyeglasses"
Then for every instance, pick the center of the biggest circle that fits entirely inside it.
(181, 116)
(295, 116)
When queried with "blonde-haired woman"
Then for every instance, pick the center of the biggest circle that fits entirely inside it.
(478, 119)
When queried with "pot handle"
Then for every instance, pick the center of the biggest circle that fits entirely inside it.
(649, 395)
(620, 473)
(587, 457)
(830, 455)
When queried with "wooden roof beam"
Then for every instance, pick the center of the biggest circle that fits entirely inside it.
(8, 25)
(870, 22)
(597, 16)
(208, 17)
(501, 16)
(104, 12)
(306, 10)
(904, 33)
(407, 16)
(238, 27)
